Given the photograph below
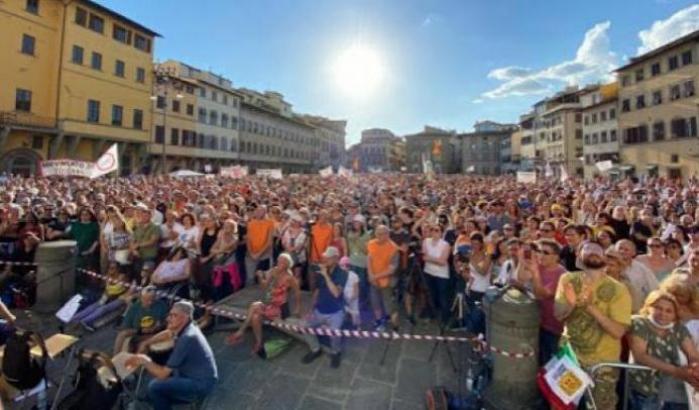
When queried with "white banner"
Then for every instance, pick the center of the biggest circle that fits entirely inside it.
(326, 172)
(67, 168)
(344, 172)
(526, 177)
(564, 174)
(548, 171)
(269, 173)
(108, 162)
(604, 166)
(236, 171)
(375, 170)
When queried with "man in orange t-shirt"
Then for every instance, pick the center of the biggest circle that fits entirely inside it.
(321, 238)
(382, 261)
(259, 240)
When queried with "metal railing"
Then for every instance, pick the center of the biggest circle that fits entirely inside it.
(26, 119)
(616, 365)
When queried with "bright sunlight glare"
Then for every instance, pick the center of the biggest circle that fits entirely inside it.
(359, 71)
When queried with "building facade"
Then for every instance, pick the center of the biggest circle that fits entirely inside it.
(658, 110)
(437, 145)
(379, 149)
(600, 127)
(79, 78)
(528, 151)
(487, 150)
(559, 135)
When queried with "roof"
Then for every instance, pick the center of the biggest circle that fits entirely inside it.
(254, 107)
(118, 16)
(693, 36)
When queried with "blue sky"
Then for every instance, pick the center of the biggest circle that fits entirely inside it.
(444, 63)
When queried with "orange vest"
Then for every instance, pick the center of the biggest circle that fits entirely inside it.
(258, 232)
(381, 255)
(322, 235)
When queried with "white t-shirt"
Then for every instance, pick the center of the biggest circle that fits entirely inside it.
(188, 237)
(165, 232)
(435, 249)
(351, 301)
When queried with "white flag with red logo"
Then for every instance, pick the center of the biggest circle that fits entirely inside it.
(108, 162)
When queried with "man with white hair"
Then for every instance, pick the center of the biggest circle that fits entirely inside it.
(190, 373)
(641, 279)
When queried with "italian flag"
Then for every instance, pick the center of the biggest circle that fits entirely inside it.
(562, 381)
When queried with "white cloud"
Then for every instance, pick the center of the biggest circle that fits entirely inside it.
(593, 62)
(430, 19)
(662, 32)
(477, 101)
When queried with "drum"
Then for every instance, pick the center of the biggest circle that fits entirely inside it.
(160, 352)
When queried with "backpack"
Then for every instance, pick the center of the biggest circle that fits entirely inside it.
(90, 390)
(20, 368)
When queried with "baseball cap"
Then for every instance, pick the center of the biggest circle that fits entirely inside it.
(331, 252)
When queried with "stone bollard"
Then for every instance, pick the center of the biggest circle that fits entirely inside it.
(513, 326)
(55, 275)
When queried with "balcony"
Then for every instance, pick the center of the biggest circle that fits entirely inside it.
(26, 120)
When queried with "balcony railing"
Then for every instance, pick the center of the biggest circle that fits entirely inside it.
(26, 119)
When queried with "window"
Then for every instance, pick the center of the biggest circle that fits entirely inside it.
(174, 136)
(578, 117)
(603, 137)
(578, 135)
(23, 100)
(213, 118)
(37, 142)
(674, 158)
(595, 138)
(225, 99)
(189, 89)
(175, 106)
(688, 88)
(96, 63)
(587, 139)
(121, 34)
(639, 75)
(625, 81)
(612, 135)
(202, 115)
(636, 135)
(32, 6)
(140, 75)
(190, 109)
(687, 57)
(202, 92)
(612, 113)
(602, 116)
(141, 43)
(214, 96)
(234, 123)
(655, 69)
(137, 119)
(672, 63)
(160, 102)
(640, 102)
(224, 144)
(117, 115)
(80, 16)
(119, 68)
(658, 131)
(96, 23)
(626, 105)
(657, 97)
(224, 120)
(675, 92)
(77, 55)
(28, 44)
(159, 134)
(93, 111)
(594, 118)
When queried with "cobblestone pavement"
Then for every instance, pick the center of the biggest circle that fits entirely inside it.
(361, 382)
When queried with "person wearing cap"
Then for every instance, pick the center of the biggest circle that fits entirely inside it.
(383, 258)
(596, 313)
(190, 373)
(328, 308)
(143, 318)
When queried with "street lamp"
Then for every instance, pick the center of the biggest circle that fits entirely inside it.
(164, 79)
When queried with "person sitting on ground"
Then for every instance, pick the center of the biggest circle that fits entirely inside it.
(328, 309)
(276, 284)
(116, 296)
(190, 373)
(143, 319)
(657, 335)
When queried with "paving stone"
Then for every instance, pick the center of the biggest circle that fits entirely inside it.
(333, 384)
(371, 367)
(414, 378)
(408, 405)
(282, 391)
(314, 403)
(290, 362)
(369, 395)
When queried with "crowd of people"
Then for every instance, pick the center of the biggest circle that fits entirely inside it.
(614, 265)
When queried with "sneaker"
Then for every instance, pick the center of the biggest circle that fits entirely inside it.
(311, 356)
(335, 360)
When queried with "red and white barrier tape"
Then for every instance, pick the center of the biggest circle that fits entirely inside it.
(14, 263)
(319, 331)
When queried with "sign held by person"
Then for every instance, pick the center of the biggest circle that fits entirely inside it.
(526, 177)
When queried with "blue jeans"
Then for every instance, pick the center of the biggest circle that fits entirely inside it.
(638, 401)
(329, 320)
(439, 293)
(97, 310)
(163, 394)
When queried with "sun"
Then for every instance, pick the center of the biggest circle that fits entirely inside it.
(359, 71)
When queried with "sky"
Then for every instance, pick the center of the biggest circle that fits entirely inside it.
(403, 64)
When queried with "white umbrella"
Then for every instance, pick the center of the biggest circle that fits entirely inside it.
(183, 173)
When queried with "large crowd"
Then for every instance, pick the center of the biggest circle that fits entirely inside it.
(614, 265)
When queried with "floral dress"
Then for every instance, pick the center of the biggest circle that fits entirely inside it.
(275, 297)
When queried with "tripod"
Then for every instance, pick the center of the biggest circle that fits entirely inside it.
(457, 310)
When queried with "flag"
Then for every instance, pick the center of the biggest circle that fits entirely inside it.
(437, 148)
(562, 381)
(344, 172)
(548, 171)
(326, 172)
(108, 162)
(471, 169)
(355, 165)
(564, 174)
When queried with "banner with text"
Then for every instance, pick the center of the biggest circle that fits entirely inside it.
(526, 177)
(67, 168)
(236, 171)
(269, 173)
